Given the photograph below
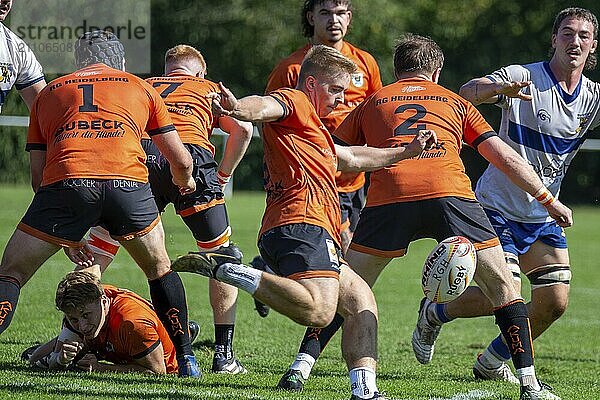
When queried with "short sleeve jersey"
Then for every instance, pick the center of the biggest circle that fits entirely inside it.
(132, 331)
(190, 110)
(299, 164)
(392, 117)
(547, 131)
(90, 124)
(364, 83)
(18, 65)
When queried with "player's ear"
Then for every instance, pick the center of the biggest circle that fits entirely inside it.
(310, 82)
(310, 17)
(435, 77)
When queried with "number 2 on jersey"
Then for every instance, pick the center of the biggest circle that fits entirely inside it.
(411, 125)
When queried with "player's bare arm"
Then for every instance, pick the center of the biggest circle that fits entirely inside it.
(28, 94)
(503, 157)
(362, 158)
(152, 363)
(249, 108)
(179, 159)
(37, 161)
(484, 90)
(240, 134)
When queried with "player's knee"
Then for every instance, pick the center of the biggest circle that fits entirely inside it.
(550, 287)
(319, 316)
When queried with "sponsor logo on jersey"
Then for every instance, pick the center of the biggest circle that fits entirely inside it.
(544, 116)
(357, 79)
(410, 89)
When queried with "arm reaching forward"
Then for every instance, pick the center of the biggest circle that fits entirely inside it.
(484, 90)
(362, 158)
(249, 108)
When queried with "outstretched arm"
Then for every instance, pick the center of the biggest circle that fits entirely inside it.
(240, 134)
(484, 90)
(362, 158)
(153, 363)
(503, 157)
(249, 108)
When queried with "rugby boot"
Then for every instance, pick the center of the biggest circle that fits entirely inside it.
(500, 373)
(194, 330)
(231, 366)
(188, 367)
(424, 335)
(292, 380)
(529, 393)
(376, 396)
(206, 262)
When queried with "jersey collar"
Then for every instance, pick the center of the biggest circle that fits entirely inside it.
(568, 98)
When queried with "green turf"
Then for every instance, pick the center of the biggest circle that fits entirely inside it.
(566, 356)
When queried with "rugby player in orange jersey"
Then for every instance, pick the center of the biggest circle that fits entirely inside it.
(184, 90)
(87, 169)
(431, 195)
(103, 322)
(299, 236)
(327, 22)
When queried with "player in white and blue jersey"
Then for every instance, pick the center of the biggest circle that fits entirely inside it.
(547, 110)
(18, 65)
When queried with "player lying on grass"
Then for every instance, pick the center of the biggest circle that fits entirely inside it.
(106, 323)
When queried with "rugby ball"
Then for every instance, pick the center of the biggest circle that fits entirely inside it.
(448, 269)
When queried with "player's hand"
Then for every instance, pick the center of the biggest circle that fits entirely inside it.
(426, 139)
(513, 89)
(187, 186)
(68, 351)
(561, 213)
(224, 102)
(82, 256)
(88, 363)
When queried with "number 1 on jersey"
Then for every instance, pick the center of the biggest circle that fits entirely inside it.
(88, 98)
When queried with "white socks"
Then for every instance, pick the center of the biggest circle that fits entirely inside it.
(303, 363)
(240, 276)
(362, 382)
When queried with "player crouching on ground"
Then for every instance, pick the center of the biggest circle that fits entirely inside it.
(106, 323)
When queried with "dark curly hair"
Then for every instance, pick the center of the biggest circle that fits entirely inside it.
(99, 47)
(307, 29)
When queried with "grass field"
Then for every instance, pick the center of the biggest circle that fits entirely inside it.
(567, 356)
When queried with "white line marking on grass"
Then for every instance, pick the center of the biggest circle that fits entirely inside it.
(472, 395)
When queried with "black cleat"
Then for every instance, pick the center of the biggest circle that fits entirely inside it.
(26, 354)
(194, 330)
(206, 262)
(292, 380)
(261, 308)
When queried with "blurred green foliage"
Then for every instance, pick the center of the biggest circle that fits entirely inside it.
(242, 40)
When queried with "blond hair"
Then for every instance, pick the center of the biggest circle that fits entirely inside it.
(325, 62)
(184, 54)
(77, 290)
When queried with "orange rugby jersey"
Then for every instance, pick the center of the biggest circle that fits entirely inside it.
(185, 97)
(366, 82)
(90, 123)
(132, 330)
(392, 116)
(300, 164)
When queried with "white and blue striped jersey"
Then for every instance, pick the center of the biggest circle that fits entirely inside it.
(547, 131)
(18, 65)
